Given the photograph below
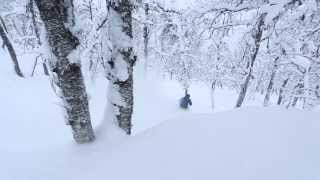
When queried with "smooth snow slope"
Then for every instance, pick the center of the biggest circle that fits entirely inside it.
(243, 144)
(246, 144)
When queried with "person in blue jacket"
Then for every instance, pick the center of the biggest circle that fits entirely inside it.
(185, 101)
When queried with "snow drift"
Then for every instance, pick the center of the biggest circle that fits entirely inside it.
(250, 143)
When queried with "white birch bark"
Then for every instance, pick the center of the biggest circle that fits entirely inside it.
(120, 65)
(67, 70)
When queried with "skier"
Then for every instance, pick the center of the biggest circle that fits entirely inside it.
(185, 101)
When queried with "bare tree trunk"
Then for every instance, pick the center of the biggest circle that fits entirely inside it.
(285, 82)
(307, 100)
(213, 88)
(68, 72)
(146, 37)
(270, 85)
(34, 66)
(243, 91)
(45, 69)
(34, 22)
(90, 9)
(7, 43)
(299, 92)
(294, 102)
(121, 62)
(289, 103)
(257, 35)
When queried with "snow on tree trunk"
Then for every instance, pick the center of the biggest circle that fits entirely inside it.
(7, 43)
(120, 65)
(271, 82)
(280, 98)
(294, 102)
(299, 88)
(257, 35)
(307, 101)
(146, 37)
(213, 88)
(31, 7)
(67, 69)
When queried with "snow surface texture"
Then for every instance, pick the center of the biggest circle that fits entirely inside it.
(248, 144)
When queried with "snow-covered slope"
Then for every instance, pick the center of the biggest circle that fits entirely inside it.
(246, 144)
(243, 144)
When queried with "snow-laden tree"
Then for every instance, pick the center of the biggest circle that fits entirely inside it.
(267, 25)
(121, 62)
(5, 11)
(23, 27)
(66, 67)
(8, 45)
(289, 41)
(253, 46)
(214, 67)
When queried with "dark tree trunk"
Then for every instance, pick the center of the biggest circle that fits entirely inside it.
(90, 9)
(69, 77)
(285, 82)
(257, 35)
(121, 62)
(7, 43)
(270, 85)
(294, 102)
(299, 88)
(212, 89)
(45, 69)
(146, 37)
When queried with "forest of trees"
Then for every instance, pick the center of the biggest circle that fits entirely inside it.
(267, 47)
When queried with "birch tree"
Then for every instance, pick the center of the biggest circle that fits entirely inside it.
(121, 63)
(66, 68)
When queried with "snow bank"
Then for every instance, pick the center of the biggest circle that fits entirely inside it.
(244, 144)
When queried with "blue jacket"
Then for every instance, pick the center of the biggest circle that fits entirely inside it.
(185, 102)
